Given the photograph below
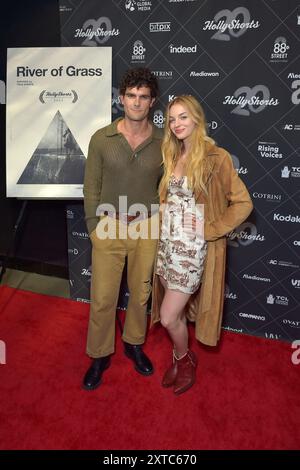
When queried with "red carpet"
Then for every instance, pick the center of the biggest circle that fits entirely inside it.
(247, 394)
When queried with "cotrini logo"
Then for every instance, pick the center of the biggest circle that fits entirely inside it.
(250, 100)
(279, 52)
(163, 74)
(236, 163)
(183, 49)
(160, 27)
(236, 23)
(267, 197)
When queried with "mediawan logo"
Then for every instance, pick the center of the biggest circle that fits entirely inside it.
(267, 150)
(203, 74)
(160, 27)
(183, 49)
(253, 277)
(139, 5)
(236, 23)
(138, 52)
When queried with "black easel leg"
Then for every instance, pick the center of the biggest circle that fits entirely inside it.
(12, 248)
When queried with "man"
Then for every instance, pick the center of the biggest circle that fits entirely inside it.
(124, 161)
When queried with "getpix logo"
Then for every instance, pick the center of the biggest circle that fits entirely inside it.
(250, 100)
(138, 52)
(236, 23)
(160, 27)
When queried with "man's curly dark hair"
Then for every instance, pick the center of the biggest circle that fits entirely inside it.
(141, 76)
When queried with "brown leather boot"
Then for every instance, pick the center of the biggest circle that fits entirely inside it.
(170, 374)
(186, 372)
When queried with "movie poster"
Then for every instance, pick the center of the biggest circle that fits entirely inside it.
(57, 97)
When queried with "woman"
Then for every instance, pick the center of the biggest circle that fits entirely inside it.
(201, 194)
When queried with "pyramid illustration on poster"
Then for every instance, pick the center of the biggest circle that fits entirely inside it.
(57, 159)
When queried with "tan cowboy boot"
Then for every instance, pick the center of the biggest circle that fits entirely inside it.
(170, 374)
(186, 372)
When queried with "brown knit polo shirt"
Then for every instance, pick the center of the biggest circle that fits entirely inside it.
(113, 169)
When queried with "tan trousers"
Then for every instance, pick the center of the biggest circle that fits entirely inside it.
(108, 259)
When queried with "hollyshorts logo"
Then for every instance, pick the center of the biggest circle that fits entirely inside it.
(116, 101)
(290, 172)
(239, 169)
(250, 100)
(228, 294)
(232, 27)
(160, 27)
(277, 299)
(86, 271)
(268, 150)
(251, 316)
(244, 235)
(163, 74)
(294, 219)
(59, 96)
(138, 5)
(203, 74)
(280, 50)
(158, 118)
(138, 52)
(267, 196)
(96, 32)
(183, 49)
(295, 85)
(296, 345)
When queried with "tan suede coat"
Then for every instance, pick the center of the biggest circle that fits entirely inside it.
(226, 206)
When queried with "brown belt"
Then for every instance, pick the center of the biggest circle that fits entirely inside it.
(126, 218)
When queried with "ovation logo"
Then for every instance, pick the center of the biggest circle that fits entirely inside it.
(250, 100)
(295, 219)
(232, 26)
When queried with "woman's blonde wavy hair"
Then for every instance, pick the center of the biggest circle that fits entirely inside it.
(198, 164)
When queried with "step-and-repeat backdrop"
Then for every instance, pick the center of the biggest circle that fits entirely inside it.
(241, 60)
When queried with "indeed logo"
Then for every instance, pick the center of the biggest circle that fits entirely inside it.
(183, 49)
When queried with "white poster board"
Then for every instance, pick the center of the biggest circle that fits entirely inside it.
(57, 97)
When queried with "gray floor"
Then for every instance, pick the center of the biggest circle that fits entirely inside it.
(38, 283)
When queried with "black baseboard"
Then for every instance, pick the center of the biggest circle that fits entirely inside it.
(36, 267)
